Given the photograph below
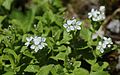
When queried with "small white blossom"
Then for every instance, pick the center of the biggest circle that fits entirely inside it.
(28, 40)
(97, 15)
(106, 42)
(94, 13)
(72, 25)
(100, 47)
(102, 9)
(37, 43)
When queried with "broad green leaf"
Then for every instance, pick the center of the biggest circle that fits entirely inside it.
(10, 58)
(32, 68)
(9, 73)
(66, 38)
(60, 49)
(59, 20)
(68, 50)
(46, 31)
(89, 57)
(57, 3)
(9, 51)
(77, 64)
(23, 48)
(57, 70)
(57, 34)
(28, 53)
(62, 55)
(24, 38)
(97, 67)
(50, 42)
(45, 70)
(91, 61)
(7, 4)
(86, 34)
(59, 56)
(2, 18)
(80, 71)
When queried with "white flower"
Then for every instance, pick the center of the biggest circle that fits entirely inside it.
(77, 25)
(37, 43)
(94, 13)
(102, 45)
(97, 15)
(28, 40)
(72, 25)
(107, 40)
(102, 9)
(36, 40)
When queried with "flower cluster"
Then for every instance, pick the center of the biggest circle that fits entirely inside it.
(97, 15)
(73, 24)
(36, 43)
(105, 43)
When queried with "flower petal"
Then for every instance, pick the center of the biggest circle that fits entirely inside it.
(69, 22)
(27, 43)
(36, 49)
(32, 46)
(65, 25)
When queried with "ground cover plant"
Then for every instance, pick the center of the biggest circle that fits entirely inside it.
(36, 39)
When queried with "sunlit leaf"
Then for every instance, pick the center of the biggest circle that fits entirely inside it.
(7, 4)
(45, 70)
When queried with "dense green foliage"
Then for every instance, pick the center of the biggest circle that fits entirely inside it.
(66, 53)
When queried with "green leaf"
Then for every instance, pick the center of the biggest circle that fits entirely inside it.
(68, 50)
(89, 57)
(60, 49)
(40, 26)
(24, 38)
(10, 58)
(57, 3)
(98, 67)
(23, 48)
(99, 73)
(57, 70)
(66, 38)
(21, 20)
(1, 38)
(9, 73)
(59, 56)
(57, 34)
(2, 18)
(77, 64)
(7, 4)
(49, 17)
(28, 53)
(45, 70)
(86, 34)
(50, 41)
(9, 51)
(62, 55)
(80, 71)
(32, 68)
